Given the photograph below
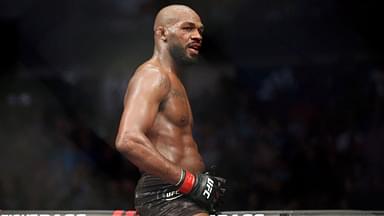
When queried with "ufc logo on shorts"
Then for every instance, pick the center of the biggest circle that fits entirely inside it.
(208, 190)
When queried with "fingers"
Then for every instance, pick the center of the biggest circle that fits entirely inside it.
(220, 191)
(222, 180)
(217, 204)
(221, 184)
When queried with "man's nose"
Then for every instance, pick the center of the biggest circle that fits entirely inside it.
(196, 35)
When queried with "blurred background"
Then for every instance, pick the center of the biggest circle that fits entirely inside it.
(288, 101)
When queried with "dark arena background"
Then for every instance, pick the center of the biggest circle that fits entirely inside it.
(288, 103)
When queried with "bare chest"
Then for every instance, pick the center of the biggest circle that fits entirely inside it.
(176, 107)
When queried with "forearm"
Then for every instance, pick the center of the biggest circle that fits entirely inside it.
(139, 150)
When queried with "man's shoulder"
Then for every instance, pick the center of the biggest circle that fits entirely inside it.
(151, 75)
(150, 69)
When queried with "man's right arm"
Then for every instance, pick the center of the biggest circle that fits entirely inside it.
(144, 94)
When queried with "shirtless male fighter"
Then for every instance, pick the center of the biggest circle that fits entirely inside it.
(155, 131)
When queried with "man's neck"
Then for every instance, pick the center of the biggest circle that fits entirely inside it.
(168, 62)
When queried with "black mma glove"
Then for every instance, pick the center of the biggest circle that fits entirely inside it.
(206, 190)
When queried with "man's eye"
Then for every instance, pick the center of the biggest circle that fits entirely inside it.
(188, 28)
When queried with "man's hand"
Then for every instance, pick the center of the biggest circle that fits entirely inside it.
(206, 190)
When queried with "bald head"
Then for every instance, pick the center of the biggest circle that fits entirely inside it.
(172, 14)
(178, 33)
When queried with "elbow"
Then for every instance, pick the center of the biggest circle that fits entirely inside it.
(127, 143)
(124, 144)
(120, 146)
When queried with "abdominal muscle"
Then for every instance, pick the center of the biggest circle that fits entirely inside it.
(179, 148)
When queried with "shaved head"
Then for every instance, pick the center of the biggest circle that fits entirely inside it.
(171, 14)
(178, 33)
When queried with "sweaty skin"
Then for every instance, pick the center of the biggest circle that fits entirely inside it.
(155, 131)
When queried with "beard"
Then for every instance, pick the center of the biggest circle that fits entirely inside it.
(179, 54)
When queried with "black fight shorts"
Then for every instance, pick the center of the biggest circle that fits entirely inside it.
(155, 197)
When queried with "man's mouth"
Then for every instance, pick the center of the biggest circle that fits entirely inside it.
(194, 48)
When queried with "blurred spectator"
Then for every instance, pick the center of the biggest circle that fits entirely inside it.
(304, 131)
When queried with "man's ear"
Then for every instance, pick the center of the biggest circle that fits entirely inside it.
(162, 33)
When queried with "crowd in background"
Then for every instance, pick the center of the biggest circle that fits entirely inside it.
(288, 102)
(285, 138)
